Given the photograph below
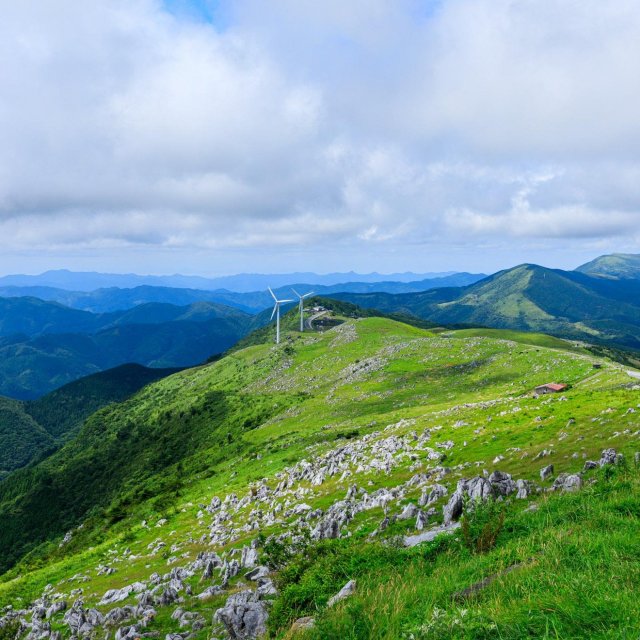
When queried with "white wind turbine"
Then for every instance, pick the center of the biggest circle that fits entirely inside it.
(301, 305)
(276, 312)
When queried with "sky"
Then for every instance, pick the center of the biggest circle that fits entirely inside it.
(223, 136)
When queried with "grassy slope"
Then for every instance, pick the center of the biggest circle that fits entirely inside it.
(567, 570)
(616, 265)
(529, 298)
(199, 433)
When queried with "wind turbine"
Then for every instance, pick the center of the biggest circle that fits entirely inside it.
(276, 313)
(301, 305)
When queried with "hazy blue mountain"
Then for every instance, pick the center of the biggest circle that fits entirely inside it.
(246, 282)
(31, 316)
(616, 265)
(115, 299)
(44, 345)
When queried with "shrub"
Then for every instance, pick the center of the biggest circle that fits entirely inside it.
(10, 630)
(481, 524)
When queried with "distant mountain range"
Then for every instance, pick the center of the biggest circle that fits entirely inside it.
(570, 304)
(244, 282)
(116, 299)
(51, 335)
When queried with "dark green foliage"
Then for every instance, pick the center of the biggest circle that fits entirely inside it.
(21, 437)
(10, 630)
(61, 412)
(276, 554)
(481, 524)
(30, 431)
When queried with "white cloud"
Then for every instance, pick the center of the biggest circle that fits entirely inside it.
(358, 125)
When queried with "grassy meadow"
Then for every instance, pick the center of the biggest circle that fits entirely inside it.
(140, 472)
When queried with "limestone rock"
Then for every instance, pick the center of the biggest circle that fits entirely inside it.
(244, 616)
(453, 509)
(546, 472)
(345, 592)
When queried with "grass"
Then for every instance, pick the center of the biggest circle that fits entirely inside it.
(574, 574)
(226, 426)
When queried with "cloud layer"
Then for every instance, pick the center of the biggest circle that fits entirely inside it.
(330, 129)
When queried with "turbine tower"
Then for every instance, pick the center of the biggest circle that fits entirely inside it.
(276, 312)
(301, 305)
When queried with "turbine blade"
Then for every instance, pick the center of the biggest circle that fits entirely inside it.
(294, 291)
(306, 295)
(272, 294)
(273, 313)
(283, 301)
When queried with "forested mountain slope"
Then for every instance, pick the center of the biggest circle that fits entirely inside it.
(31, 429)
(45, 345)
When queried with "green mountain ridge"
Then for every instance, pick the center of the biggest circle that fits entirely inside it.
(304, 458)
(616, 265)
(529, 298)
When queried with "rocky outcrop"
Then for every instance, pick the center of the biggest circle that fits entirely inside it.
(244, 616)
(569, 482)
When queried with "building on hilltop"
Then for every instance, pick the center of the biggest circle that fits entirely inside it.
(550, 387)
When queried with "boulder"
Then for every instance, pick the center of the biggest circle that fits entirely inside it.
(502, 483)
(546, 472)
(244, 616)
(56, 607)
(567, 482)
(302, 624)
(524, 488)
(345, 592)
(258, 572)
(429, 497)
(408, 512)
(421, 520)
(609, 456)
(453, 509)
(210, 592)
(477, 488)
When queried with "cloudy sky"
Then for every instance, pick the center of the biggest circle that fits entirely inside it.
(213, 137)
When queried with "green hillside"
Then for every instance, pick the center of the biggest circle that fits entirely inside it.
(29, 430)
(312, 452)
(529, 298)
(616, 265)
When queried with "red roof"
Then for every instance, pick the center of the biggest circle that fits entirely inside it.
(553, 386)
